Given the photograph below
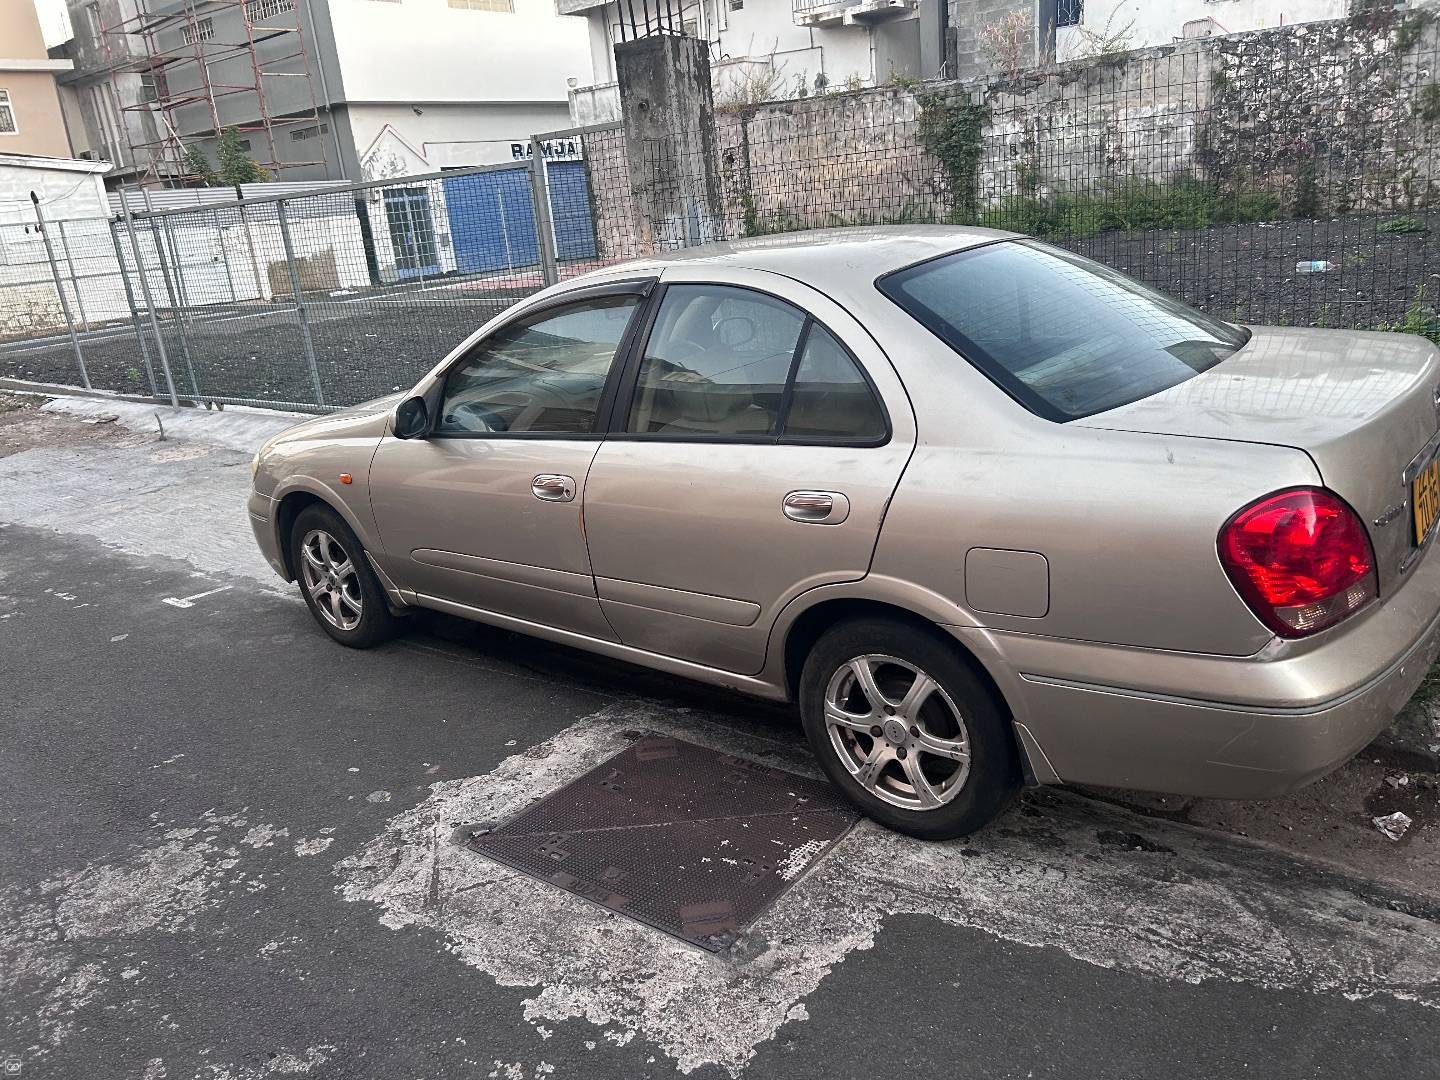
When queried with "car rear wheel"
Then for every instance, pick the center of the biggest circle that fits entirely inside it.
(335, 578)
(907, 730)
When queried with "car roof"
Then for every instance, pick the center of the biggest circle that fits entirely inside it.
(832, 260)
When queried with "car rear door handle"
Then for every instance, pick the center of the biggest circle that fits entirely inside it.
(816, 507)
(553, 487)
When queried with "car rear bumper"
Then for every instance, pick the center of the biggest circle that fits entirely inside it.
(262, 509)
(1222, 727)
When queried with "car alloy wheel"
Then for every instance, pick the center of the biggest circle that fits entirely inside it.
(897, 732)
(331, 579)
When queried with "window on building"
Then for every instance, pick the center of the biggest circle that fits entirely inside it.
(504, 6)
(7, 115)
(736, 5)
(149, 87)
(92, 21)
(314, 131)
(199, 30)
(257, 10)
(1069, 12)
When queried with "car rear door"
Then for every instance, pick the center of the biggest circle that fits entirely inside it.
(755, 442)
(486, 511)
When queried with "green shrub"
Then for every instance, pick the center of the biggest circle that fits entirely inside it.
(1420, 318)
(1403, 224)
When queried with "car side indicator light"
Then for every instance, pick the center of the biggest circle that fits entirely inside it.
(346, 478)
(1300, 559)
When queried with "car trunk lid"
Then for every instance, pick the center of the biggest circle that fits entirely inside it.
(1362, 405)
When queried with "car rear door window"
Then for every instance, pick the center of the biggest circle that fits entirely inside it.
(1065, 336)
(541, 374)
(716, 364)
(830, 397)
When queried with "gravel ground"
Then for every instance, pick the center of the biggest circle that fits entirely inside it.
(363, 348)
(1247, 272)
(367, 345)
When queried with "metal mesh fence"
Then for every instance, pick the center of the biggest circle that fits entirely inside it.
(1280, 177)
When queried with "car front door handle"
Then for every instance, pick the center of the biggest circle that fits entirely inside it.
(816, 507)
(553, 487)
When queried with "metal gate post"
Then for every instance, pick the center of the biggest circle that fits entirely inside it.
(60, 289)
(505, 234)
(177, 319)
(134, 311)
(540, 197)
(149, 300)
(299, 300)
(74, 278)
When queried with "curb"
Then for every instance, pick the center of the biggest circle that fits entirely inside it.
(244, 431)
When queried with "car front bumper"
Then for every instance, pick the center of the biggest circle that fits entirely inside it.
(262, 523)
(1221, 727)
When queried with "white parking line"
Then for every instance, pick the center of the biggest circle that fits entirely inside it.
(189, 601)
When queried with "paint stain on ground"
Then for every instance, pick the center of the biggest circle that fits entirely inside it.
(1177, 904)
(68, 939)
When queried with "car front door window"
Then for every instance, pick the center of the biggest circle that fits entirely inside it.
(716, 364)
(541, 375)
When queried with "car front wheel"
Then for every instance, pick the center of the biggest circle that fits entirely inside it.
(335, 578)
(907, 730)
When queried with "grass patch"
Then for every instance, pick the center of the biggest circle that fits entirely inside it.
(1420, 318)
(1403, 224)
(1134, 205)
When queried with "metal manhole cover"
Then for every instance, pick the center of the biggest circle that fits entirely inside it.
(688, 840)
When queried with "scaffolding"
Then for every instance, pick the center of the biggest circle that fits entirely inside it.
(212, 65)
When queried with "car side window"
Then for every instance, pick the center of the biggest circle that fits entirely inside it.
(830, 398)
(716, 363)
(542, 374)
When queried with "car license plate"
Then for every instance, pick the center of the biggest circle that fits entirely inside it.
(1425, 497)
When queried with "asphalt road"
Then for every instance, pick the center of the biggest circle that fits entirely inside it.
(225, 855)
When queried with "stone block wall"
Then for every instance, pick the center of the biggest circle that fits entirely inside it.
(1349, 108)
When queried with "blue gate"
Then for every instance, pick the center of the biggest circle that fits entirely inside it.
(570, 211)
(492, 221)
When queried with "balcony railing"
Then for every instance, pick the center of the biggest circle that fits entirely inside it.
(847, 12)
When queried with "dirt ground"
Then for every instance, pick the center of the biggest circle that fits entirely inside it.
(24, 427)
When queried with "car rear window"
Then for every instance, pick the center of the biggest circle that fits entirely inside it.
(1064, 336)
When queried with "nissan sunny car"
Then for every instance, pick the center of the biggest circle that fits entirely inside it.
(988, 512)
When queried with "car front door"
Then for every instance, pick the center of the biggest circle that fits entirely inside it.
(486, 510)
(756, 440)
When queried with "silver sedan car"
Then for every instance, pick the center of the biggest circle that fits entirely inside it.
(990, 513)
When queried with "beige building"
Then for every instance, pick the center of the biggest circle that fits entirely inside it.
(30, 117)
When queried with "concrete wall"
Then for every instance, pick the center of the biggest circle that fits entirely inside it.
(445, 136)
(426, 51)
(73, 198)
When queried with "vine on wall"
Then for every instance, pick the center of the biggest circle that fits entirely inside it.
(953, 131)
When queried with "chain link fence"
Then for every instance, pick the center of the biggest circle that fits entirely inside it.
(1286, 176)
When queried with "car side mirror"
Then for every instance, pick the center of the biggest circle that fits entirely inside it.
(412, 419)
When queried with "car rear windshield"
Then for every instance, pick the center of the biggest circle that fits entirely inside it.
(1064, 336)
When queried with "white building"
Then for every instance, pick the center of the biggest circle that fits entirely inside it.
(1083, 28)
(767, 49)
(423, 85)
(393, 86)
(72, 199)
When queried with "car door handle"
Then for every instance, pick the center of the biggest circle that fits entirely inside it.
(553, 487)
(816, 507)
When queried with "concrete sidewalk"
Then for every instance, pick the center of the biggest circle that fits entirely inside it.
(235, 428)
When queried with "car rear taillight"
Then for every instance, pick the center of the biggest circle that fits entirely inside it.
(1300, 558)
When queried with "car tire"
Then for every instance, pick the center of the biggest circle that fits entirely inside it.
(954, 734)
(335, 578)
